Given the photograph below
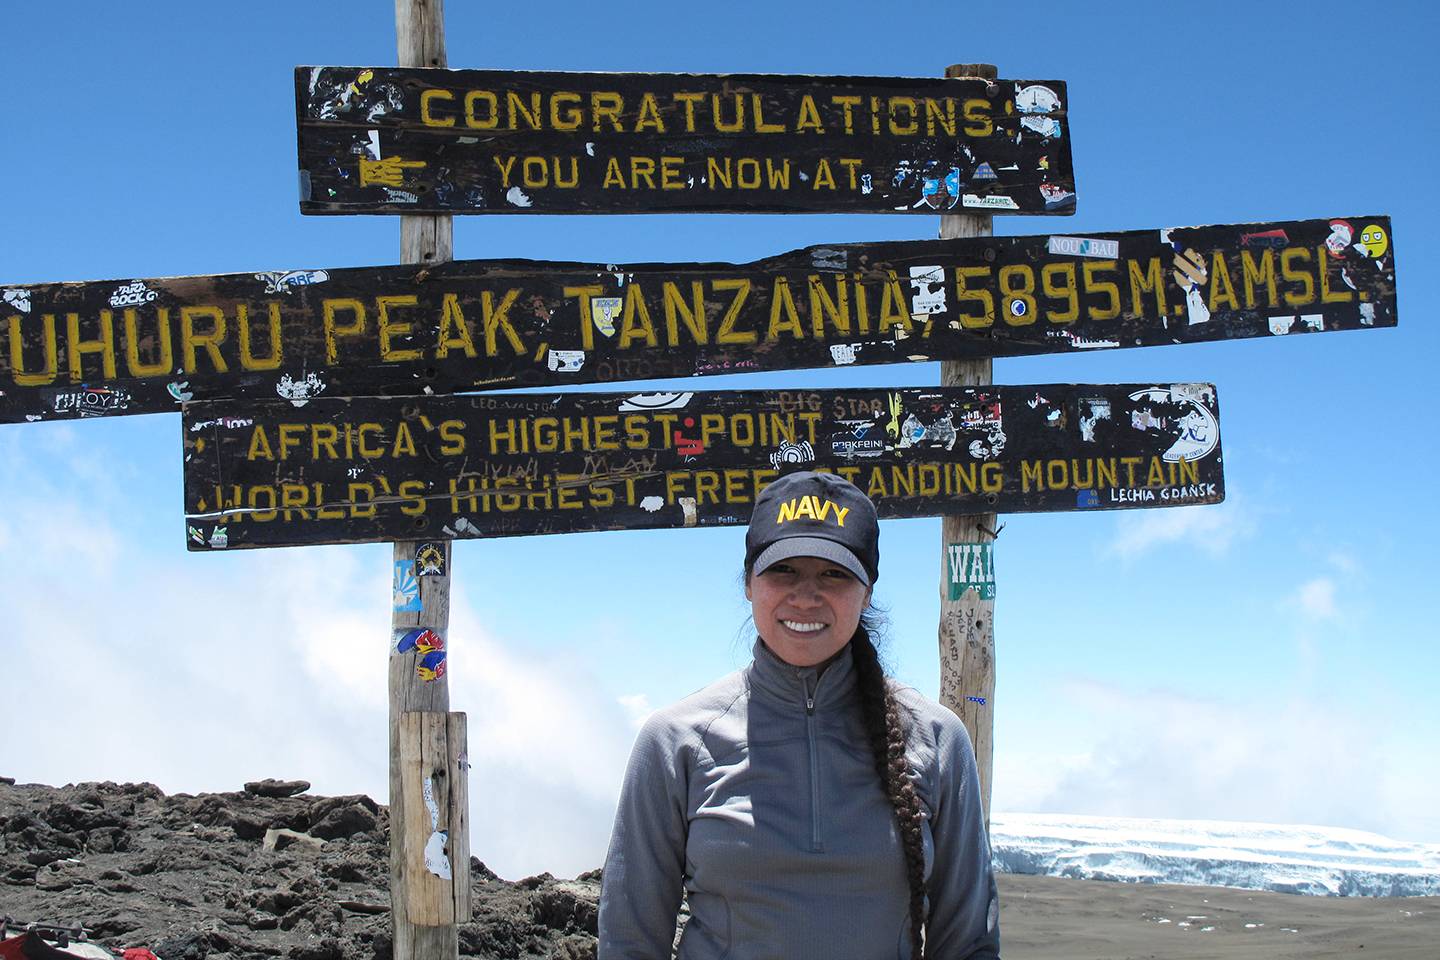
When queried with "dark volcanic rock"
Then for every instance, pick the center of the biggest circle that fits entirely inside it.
(277, 788)
(190, 878)
(344, 821)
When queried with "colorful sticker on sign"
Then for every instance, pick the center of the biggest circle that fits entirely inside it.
(421, 640)
(430, 559)
(407, 587)
(970, 566)
(431, 666)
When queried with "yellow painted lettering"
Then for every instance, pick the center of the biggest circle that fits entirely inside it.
(248, 360)
(427, 114)
(1222, 288)
(1255, 273)
(635, 321)
(50, 369)
(166, 359)
(328, 311)
(389, 327)
(189, 339)
(1291, 274)
(727, 334)
(782, 302)
(454, 329)
(649, 118)
(498, 319)
(676, 311)
(259, 446)
(473, 118)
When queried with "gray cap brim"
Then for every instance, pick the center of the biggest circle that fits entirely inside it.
(790, 547)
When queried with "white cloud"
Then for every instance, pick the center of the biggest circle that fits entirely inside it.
(1213, 528)
(201, 671)
(637, 707)
(1167, 755)
(1315, 599)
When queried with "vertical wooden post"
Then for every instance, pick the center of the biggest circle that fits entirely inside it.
(967, 624)
(429, 817)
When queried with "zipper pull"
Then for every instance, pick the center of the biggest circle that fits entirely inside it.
(809, 704)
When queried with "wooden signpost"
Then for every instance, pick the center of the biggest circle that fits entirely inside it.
(326, 406)
(429, 758)
(430, 326)
(386, 140)
(374, 469)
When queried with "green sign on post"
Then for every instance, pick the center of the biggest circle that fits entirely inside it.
(970, 566)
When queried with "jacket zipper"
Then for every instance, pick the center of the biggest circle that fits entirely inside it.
(815, 845)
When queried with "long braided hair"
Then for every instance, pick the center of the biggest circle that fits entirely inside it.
(887, 726)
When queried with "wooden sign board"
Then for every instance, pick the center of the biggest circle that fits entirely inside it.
(140, 346)
(388, 140)
(374, 469)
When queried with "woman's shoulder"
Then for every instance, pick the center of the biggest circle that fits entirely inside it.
(691, 717)
(934, 724)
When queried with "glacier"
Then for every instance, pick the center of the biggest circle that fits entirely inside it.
(1320, 861)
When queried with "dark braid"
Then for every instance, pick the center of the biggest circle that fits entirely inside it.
(886, 725)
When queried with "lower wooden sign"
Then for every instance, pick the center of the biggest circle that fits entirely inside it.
(352, 470)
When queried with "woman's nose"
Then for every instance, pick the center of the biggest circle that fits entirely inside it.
(806, 591)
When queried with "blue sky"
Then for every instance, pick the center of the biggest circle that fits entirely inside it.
(1267, 659)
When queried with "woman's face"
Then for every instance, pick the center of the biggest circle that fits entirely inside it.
(806, 608)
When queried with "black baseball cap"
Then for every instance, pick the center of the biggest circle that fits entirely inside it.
(810, 514)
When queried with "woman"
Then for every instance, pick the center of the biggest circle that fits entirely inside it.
(805, 805)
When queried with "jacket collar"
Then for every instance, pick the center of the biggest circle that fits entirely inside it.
(778, 680)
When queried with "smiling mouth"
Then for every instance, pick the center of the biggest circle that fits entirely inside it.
(802, 627)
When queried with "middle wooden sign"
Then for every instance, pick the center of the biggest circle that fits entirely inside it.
(141, 346)
(366, 469)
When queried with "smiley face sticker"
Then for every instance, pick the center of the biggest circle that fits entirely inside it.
(1373, 241)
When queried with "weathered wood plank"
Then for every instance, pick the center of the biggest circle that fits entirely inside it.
(123, 347)
(429, 759)
(386, 140)
(966, 631)
(372, 469)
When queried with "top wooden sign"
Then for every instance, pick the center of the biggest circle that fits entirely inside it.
(389, 140)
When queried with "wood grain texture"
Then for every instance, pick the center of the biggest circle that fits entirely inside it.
(351, 470)
(123, 347)
(424, 919)
(431, 747)
(966, 632)
(385, 140)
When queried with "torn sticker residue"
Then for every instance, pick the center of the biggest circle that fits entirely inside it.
(603, 313)
(277, 281)
(843, 353)
(436, 860)
(132, 294)
(1084, 247)
(300, 392)
(419, 639)
(928, 282)
(518, 197)
(788, 452)
(19, 299)
(655, 401)
(651, 504)
(687, 506)
(565, 361)
(993, 201)
(431, 666)
(406, 592)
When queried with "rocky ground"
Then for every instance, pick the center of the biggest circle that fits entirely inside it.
(274, 872)
(257, 873)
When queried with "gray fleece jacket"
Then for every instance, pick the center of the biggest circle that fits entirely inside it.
(758, 797)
